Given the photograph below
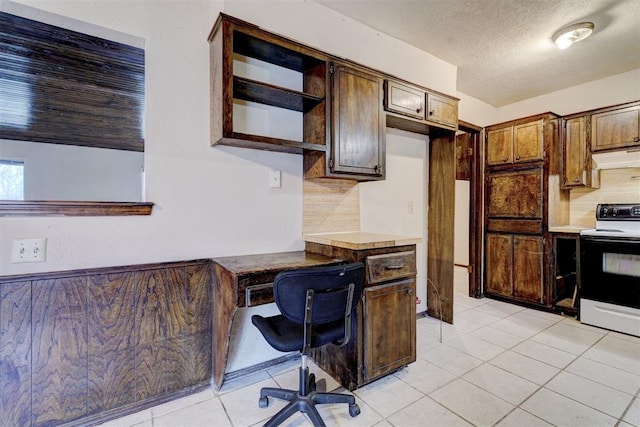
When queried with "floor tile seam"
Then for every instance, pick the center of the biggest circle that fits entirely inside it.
(582, 403)
(586, 356)
(628, 407)
(475, 357)
(450, 410)
(509, 372)
(578, 355)
(544, 386)
(508, 333)
(575, 357)
(596, 381)
(524, 410)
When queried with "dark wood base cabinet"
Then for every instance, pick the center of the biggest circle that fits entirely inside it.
(80, 347)
(384, 333)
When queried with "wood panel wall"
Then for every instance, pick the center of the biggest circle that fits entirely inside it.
(81, 345)
(442, 176)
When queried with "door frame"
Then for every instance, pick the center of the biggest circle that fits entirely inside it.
(476, 193)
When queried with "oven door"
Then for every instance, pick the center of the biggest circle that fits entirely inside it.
(610, 270)
(610, 283)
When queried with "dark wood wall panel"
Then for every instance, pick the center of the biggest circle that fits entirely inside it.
(15, 354)
(59, 325)
(74, 345)
(442, 175)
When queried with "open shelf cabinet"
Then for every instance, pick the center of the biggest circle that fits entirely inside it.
(232, 38)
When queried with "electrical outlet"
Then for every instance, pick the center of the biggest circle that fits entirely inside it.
(29, 250)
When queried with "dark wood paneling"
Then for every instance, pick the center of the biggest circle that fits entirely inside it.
(83, 346)
(59, 349)
(442, 162)
(110, 310)
(464, 155)
(150, 369)
(111, 379)
(15, 354)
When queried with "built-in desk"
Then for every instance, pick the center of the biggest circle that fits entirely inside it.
(245, 281)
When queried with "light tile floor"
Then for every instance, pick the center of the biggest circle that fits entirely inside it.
(498, 365)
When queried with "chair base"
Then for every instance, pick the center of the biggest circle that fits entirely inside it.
(304, 401)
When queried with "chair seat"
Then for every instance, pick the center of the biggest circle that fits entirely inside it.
(285, 335)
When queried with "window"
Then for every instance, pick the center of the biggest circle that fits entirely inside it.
(11, 180)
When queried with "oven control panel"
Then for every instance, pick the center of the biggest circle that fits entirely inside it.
(618, 212)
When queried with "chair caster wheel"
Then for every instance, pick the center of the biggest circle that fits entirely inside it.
(354, 410)
(312, 382)
(263, 402)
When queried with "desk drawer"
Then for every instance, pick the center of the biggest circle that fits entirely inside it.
(259, 294)
(381, 268)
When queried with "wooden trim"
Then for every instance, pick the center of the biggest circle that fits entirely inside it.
(69, 208)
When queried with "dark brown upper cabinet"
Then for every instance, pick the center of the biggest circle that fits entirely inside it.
(404, 99)
(518, 143)
(442, 110)
(616, 128)
(417, 109)
(576, 163)
(356, 145)
(235, 46)
(357, 128)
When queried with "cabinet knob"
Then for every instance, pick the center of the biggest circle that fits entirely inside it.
(377, 168)
(576, 179)
(505, 160)
(419, 109)
(431, 112)
(517, 157)
(636, 139)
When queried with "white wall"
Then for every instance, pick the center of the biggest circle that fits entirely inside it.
(398, 205)
(612, 90)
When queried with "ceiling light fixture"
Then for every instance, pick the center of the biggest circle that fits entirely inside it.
(567, 36)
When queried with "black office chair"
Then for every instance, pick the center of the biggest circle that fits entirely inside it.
(316, 305)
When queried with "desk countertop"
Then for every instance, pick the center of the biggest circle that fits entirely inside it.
(569, 229)
(360, 240)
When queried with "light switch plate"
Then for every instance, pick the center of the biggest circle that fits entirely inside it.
(274, 179)
(29, 250)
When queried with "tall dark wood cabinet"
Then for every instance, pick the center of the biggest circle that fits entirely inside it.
(384, 333)
(523, 198)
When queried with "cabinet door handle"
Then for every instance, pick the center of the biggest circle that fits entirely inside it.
(636, 139)
(377, 169)
(394, 267)
(431, 113)
(505, 160)
(576, 179)
(419, 109)
(517, 157)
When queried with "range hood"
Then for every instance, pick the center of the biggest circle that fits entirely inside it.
(617, 159)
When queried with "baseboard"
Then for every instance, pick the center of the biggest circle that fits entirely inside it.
(230, 376)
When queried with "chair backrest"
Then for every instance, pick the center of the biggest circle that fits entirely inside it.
(330, 285)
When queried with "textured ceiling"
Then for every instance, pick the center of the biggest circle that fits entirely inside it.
(503, 48)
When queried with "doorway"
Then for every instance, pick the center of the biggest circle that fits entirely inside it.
(468, 226)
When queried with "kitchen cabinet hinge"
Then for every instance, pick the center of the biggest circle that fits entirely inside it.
(331, 164)
(470, 151)
(331, 69)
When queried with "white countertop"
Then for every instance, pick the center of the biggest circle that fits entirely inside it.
(360, 240)
(567, 229)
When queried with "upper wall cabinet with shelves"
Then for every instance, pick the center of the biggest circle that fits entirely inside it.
(269, 92)
(251, 69)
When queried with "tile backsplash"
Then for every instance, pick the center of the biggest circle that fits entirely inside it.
(616, 186)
